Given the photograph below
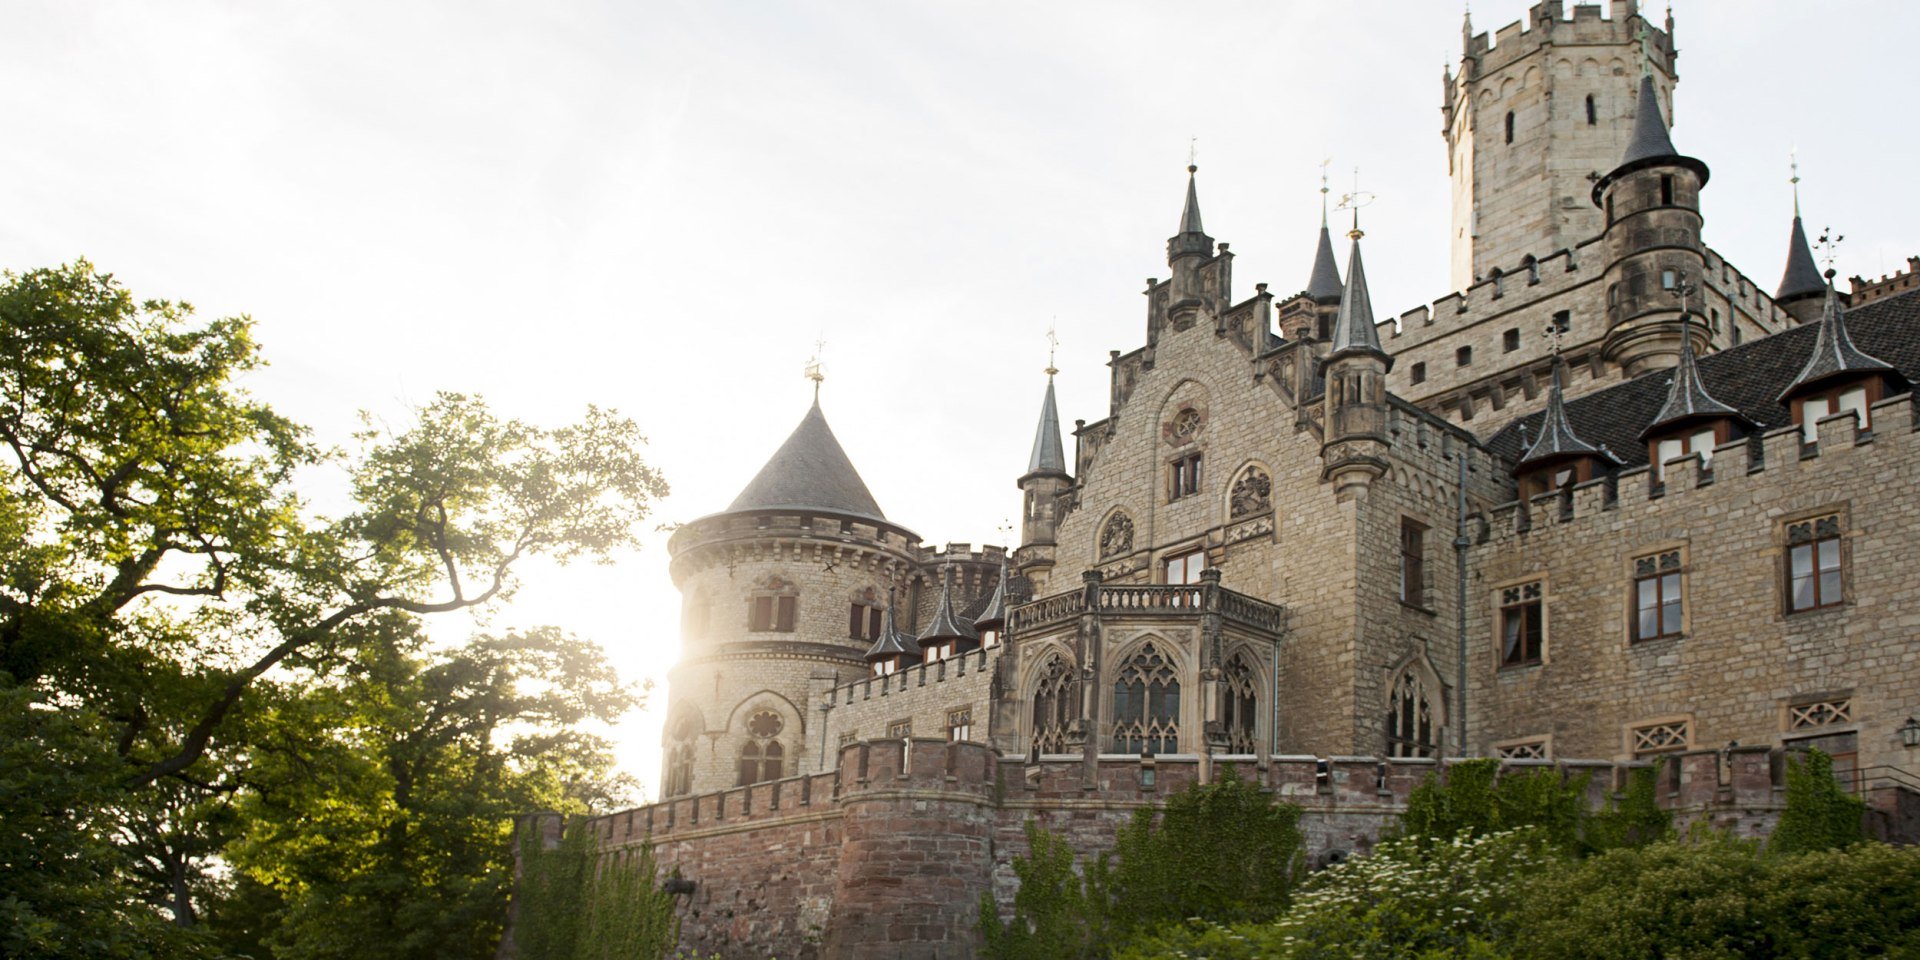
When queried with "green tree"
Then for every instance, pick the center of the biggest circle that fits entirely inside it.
(1820, 814)
(1053, 916)
(1474, 800)
(165, 589)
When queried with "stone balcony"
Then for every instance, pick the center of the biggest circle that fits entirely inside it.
(1148, 601)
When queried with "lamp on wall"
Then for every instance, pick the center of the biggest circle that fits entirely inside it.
(1910, 732)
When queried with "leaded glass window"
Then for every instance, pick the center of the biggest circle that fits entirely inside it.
(1053, 708)
(1411, 731)
(1241, 710)
(1146, 704)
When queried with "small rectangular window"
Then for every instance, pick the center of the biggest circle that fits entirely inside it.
(1667, 279)
(1666, 190)
(899, 729)
(1183, 477)
(1522, 624)
(1418, 374)
(1814, 564)
(787, 613)
(1563, 320)
(1510, 341)
(1463, 356)
(1657, 601)
(1183, 568)
(1413, 563)
(960, 724)
(760, 613)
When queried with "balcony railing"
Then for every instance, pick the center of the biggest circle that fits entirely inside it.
(1148, 600)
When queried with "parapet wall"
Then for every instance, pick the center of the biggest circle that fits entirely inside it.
(887, 855)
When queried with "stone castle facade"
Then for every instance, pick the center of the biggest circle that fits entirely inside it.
(1610, 502)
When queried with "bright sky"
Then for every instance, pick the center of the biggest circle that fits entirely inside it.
(660, 206)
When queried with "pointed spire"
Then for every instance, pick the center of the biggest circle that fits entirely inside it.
(1557, 439)
(1190, 217)
(1353, 327)
(1650, 138)
(995, 615)
(1047, 456)
(810, 470)
(1802, 278)
(1834, 355)
(945, 625)
(892, 642)
(1687, 397)
(1325, 285)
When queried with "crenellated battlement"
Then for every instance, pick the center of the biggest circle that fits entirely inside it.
(1754, 459)
(1864, 291)
(914, 677)
(1549, 23)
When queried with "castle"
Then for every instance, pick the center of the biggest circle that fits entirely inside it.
(1611, 501)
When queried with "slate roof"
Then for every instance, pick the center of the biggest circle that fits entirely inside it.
(1687, 397)
(1748, 378)
(1353, 327)
(891, 642)
(810, 470)
(1325, 285)
(945, 626)
(1556, 438)
(1834, 356)
(995, 609)
(1047, 454)
(1802, 277)
(1650, 145)
(1190, 217)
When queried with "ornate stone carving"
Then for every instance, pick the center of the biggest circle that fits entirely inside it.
(1252, 493)
(1185, 426)
(1249, 529)
(1117, 538)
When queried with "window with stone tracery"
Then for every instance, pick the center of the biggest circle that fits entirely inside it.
(1053, 708)
(1240, 711)
(762, 757)
(679, 765)
(1146, 704)
(1411, 730)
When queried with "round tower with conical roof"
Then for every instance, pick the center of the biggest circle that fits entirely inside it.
(1651, 204)
(784, 594)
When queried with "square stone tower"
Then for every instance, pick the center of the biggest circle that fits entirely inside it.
(1533, 118)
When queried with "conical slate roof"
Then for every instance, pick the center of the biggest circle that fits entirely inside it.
(891, 642)
(1650, 137)
(1557, 439)
(1047, 456)
(1650, 145)
(1190, 217)
(1834, 354)
(809, 471)
(1324, 286)
(1353, 328)
(1687, 397)
(1802, 278)
(995, 614)
(945, 625)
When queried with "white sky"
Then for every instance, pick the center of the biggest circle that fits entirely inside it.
(659, 206)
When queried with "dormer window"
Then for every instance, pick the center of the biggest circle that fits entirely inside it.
(1854, 398)
(938, 651)
(989, 638)
(1558, 477)
(885, 668)
(1699, 440)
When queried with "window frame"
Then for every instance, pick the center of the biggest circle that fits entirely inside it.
(773, 613)
(1659, 572)
(1413, 563)
(1184, 476)
(1186, 559)
(1816, 537)
(1871, 388)
(1538, 634)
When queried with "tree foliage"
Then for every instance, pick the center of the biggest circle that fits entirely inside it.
(1820, 814)
(1225, 851)
(187, 647)
(579, 904)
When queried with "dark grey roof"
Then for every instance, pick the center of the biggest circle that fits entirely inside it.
(1353, 327)
(945, 625)
(1802, 278)
(1556, 439)
(1047, 456)
(1190, 217)
(1749, 378)
(891, 642)
(1833, 355)
(1649, 145)
(810, 470)
(1687, 397)
(1650, 138)
(1324, 286)
(995, 613)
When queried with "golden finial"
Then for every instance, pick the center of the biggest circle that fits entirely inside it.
(1354, 201)
(1323, 190)
(814, 371)
(1053, 343)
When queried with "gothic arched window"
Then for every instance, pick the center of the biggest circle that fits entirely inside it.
(1146, 704)
(1411, 730)
(762, 757)
(679, 765)
(1053, 708)
(1240, 706)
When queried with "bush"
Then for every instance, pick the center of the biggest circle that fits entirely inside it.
(1474, 800)
(578, 904)
(1820, 815)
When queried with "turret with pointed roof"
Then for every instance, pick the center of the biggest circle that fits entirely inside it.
(994, 616)
(1324, 285)
(1190, 253)
(1354, 331)
(1354, 448)
(1652, 213)
(1041, 486)
(1048, 456)
(1801, 288)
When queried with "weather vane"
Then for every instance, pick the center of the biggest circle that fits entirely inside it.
(1323, 190)
(1053, 343)
(1793, 160)
(1828, 243)
(1684, 289)
(814, 371)
(1354, 201)
(1553, 335)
